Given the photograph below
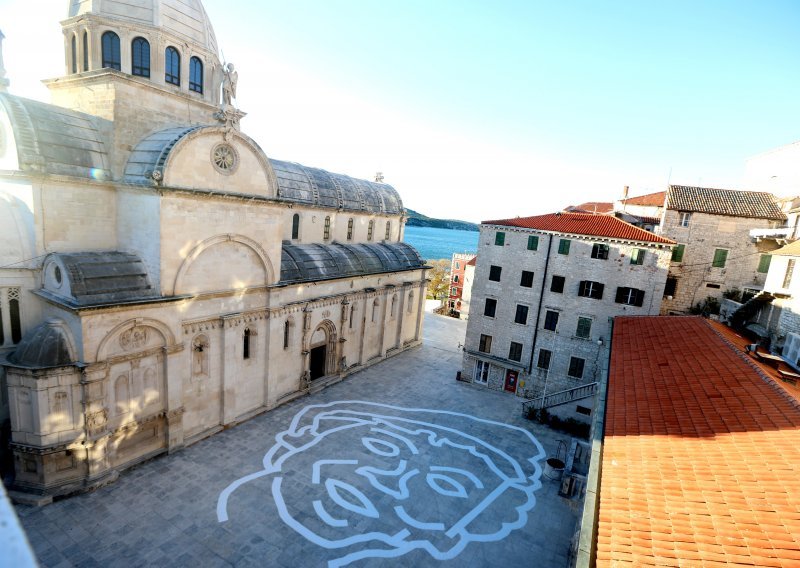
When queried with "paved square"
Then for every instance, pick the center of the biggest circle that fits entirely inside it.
(398, 465)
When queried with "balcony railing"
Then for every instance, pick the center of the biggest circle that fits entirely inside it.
(780, 233)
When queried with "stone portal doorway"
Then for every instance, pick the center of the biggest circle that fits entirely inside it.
(317, 363)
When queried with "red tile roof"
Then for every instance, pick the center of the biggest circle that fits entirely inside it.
(701, 454)
(756, 204)
(591, 207)
(583, 224)
(650, 200)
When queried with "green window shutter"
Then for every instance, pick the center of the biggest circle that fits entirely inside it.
(500, 238)
(563, 246)
(677, 253)
(720, 256)
(533, 242)
(763, 262)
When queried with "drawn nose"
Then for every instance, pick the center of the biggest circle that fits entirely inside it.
(392, 482)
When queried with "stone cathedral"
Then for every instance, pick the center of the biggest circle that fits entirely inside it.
(161, 278)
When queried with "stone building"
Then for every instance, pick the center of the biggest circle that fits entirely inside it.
(161, 278)
(458, 268)
(644, 211)
(545, 293)
(716, 253)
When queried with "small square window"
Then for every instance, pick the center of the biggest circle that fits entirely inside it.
(720, 257)
(499, 238)
(485, 345)
(576, 367)
(637, 256)
(563, 246)
(533, 242)
(526, 280)
(677, 253)
(584, 329)
(521, 315)
(600, 251)
(557, 284)
(494, 273)
(543, 362)
(490, 307)
(589, 289)
(551, 320)
(583, 410)
(685, 218)
(515, 351)
(764, 262)
(630, 296)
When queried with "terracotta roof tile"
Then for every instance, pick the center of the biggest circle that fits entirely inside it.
(598, 207)
(649, 200)
(756, 204)
(583, 224)
(701, 456)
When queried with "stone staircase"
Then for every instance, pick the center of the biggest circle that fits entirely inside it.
(560, 397)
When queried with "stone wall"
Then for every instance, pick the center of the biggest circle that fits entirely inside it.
(696, 278)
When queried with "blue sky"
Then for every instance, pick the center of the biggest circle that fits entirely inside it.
(481, 110)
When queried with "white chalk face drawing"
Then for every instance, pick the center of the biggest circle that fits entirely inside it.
(368, 480)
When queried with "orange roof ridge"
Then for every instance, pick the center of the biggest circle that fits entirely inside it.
(586, 224)
(648, 199)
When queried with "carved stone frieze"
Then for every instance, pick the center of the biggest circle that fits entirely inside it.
(134, 338)
(96, 421)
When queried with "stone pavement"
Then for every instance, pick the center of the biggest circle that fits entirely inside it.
(423, 471)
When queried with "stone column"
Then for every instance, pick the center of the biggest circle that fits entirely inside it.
(173, 382)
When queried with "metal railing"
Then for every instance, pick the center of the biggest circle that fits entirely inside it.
(560, 397)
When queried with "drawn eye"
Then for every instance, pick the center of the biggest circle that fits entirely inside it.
(381, 447)
(447, 485)
(350, 498)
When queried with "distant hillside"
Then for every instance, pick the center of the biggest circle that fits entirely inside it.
(419, 220)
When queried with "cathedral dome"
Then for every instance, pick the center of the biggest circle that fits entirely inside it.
(185, 19)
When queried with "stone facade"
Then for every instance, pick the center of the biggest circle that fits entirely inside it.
(515, 300)
(695, 277)
(161, 278)
(458, 267)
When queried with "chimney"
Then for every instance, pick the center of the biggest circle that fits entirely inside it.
(625, 192)
(379, 177)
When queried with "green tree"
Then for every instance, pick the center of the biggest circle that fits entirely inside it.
(439, 275)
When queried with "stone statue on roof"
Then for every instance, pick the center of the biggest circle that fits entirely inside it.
(229, 80)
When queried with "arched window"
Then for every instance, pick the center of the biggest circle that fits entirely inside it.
(246, 344)
(74, 53)
(9, 308)
(375, 305)
(196, 75)
(370, 229)
(85, 51)
(352, 313)
(111, 57)
(388, 229)
(350, 229)
(200, 356)
(172, 66)
(296, 226)
(286, 326)
(140, 57)
(326, 233)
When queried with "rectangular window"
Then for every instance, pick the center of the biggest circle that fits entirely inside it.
(521, 315)
(637, 256)
(583, 410)
(720, 256)
(482, 372)
(326, 231)
(671, 286)
(499, 238)
(490, 307)
(589, 289)
(677, 253)
(494, 273)
(600, 251)
(584, 330)
(515, 351)
(551, 320)
(685, 217)
(454, 291)
(557, 284)
(485, 344)
(629, 296)
(563, 246)
(543, 362)
(763, 263)
(526, 280)
(714, 286)
(576, 367)
(787, 278)
(533, 242)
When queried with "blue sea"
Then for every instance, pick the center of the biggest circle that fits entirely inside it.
(433, 244)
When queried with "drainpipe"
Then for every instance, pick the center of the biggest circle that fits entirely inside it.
(541, 299)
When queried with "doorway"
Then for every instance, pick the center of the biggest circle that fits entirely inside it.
(511, 381)
(317, 362)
